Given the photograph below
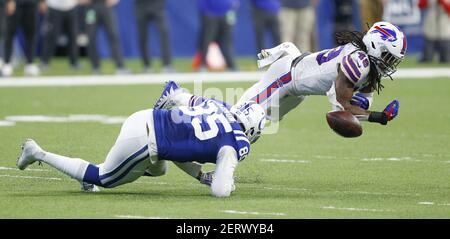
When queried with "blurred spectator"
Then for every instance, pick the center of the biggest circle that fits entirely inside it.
(59, 15)
(101, 13)
(217, 19)
(371, 11)
(436, 29)
(343, 18)
(2, 25)
(153, 11)
(297, 19)
(265, 17)
(21, 13)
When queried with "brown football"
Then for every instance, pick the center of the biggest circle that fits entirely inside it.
(344, 123)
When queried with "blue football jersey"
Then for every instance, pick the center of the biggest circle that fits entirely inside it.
(198, 133)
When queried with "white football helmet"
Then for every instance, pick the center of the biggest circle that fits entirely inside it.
(252, 117)
(387, 44)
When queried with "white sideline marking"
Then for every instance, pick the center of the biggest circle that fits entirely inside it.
(254, 213)
(28, 169)
(27, 177)
(136, 79)
(105, 119)
(284, 161)
(139, 217)
(161, 78)
(7, 123)
(357, 209)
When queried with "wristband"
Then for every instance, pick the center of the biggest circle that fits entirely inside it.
(378, 117)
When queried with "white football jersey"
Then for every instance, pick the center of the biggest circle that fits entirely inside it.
(316, 73)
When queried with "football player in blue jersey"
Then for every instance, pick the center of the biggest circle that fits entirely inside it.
(207, 133)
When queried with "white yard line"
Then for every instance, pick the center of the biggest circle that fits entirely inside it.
(6, 123)
(425, 203)
(105, 119)
(253, 213)
(28, 169)
(379, 193)
(282, 155)
(407, 159)
(284, 161)
(386, 159)
(287, 189)
(27, 177)
(433, 203)
(136, 79)
(139, 217)
(181, 78)
(356, 209)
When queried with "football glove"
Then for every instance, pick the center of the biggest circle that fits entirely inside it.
(391, 111)
(360, 100)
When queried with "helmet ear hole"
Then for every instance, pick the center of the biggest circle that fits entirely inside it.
(373, 46)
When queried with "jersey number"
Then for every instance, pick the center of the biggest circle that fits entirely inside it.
(211, 117)
(328, 55)
(243, 152)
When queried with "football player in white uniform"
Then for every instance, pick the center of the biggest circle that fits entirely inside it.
(356, 65)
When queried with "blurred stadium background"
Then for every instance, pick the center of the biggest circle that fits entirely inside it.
(184, 22)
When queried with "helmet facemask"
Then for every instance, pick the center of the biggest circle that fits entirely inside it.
(387, 64)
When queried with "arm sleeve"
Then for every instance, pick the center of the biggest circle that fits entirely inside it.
(223, 182)
(369, 97)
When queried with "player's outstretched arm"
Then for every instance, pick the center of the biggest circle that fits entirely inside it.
(344, 95)
(223, 182)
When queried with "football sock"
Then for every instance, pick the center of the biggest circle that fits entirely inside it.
(74, 167)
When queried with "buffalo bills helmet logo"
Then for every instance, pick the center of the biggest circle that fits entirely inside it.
(386, 34)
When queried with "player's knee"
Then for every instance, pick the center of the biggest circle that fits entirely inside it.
(92, 175)
(159, 169)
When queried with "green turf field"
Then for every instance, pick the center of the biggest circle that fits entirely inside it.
(304, 171)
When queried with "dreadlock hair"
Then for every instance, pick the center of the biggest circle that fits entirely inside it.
(356, 38)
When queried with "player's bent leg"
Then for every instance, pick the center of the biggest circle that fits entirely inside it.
(156, 169)
(128, 158)
(31, 152)
(272, 89)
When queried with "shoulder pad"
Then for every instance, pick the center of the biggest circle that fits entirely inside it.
(356, 67)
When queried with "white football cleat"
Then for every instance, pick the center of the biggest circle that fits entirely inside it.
(28, 156)
(89, 187)
(7, 70)
(32, 70)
